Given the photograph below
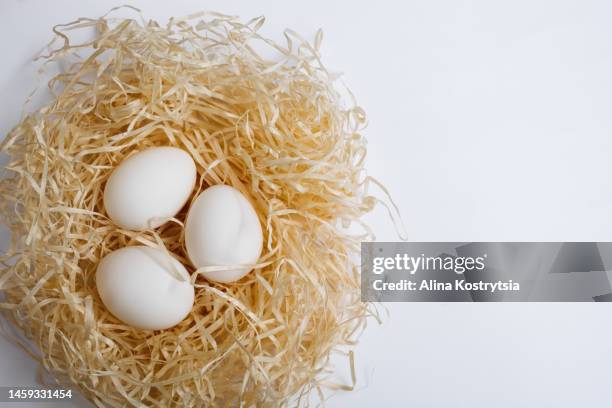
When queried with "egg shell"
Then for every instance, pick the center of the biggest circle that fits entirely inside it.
(140, 286)
(149, 187)
(222, 229)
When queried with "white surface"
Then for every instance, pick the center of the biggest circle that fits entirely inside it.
(489, 120)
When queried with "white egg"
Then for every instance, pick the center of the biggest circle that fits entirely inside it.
(144, 287)
(149, 187)
(222, 229)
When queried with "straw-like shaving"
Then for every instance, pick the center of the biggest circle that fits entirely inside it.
(275, 130)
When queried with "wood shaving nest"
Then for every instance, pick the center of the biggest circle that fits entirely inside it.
(274, 128)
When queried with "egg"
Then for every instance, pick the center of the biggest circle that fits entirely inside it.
(149, 187)
(222, 229)
(144, 287)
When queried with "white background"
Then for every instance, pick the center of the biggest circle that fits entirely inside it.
(489, 120)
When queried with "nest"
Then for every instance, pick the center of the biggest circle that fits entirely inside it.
(274, 128)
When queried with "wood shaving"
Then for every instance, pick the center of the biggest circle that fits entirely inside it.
(275, 129)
